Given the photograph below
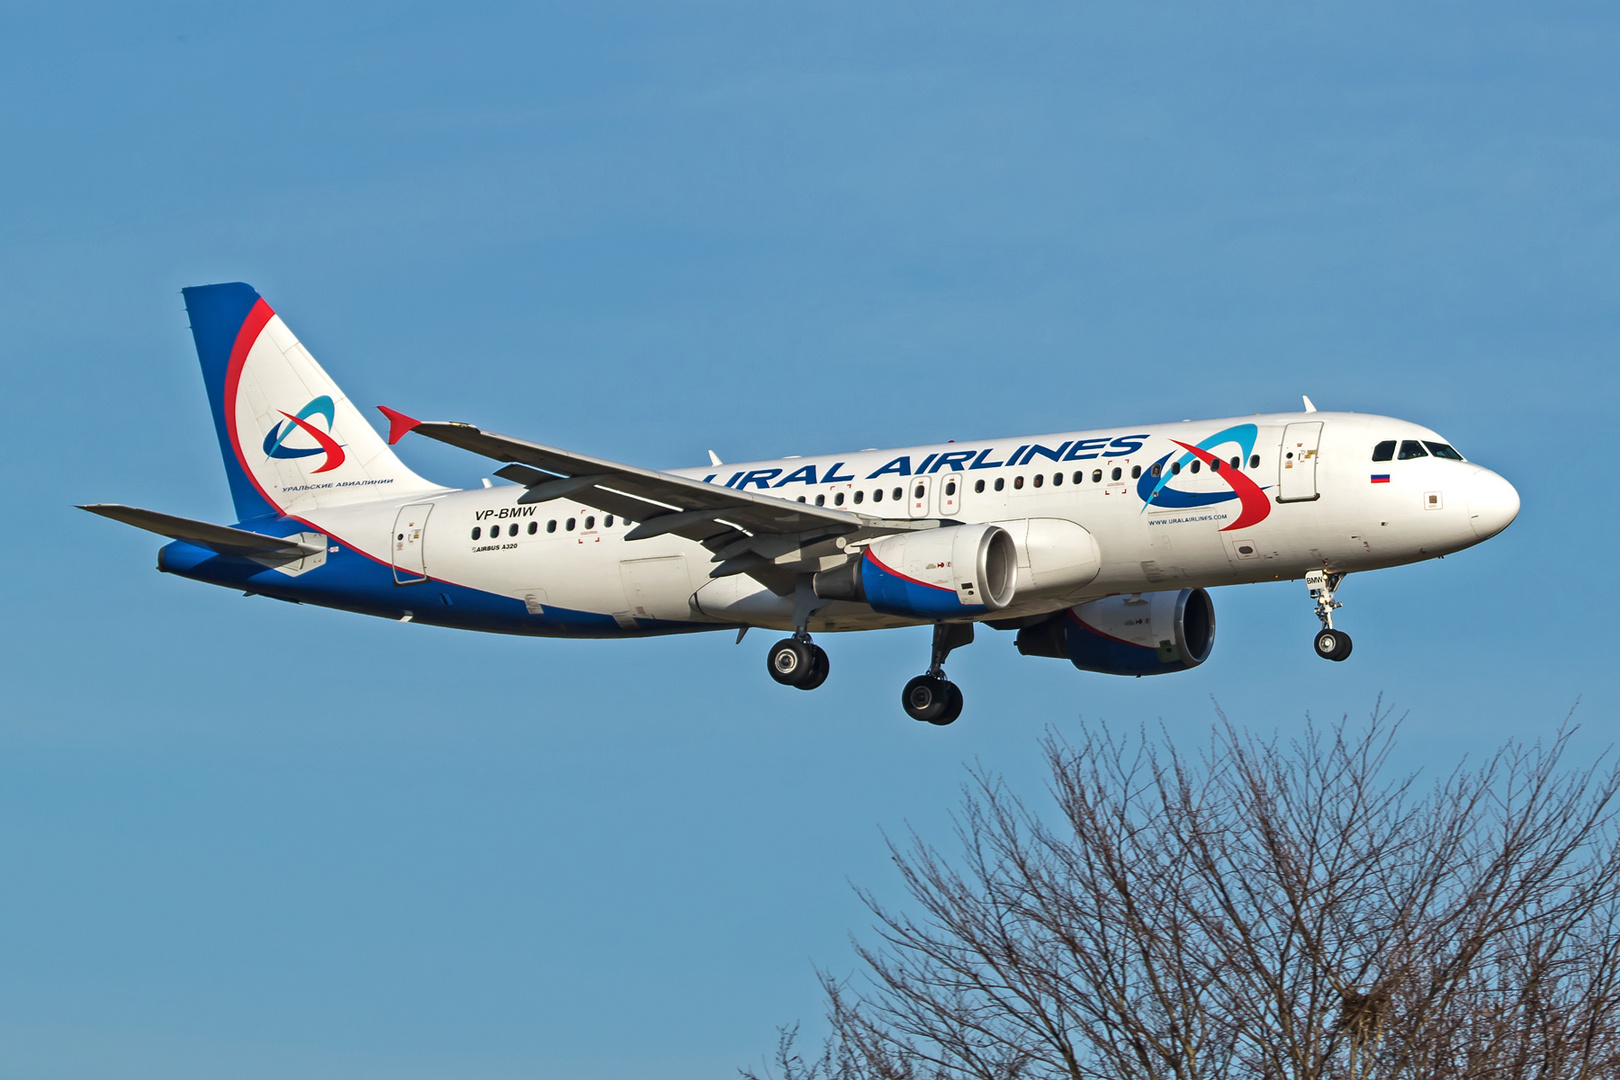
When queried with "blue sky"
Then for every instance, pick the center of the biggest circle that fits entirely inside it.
(243, 838)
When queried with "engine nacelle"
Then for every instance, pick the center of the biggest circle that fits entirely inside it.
(1148, 634)
(963, 570)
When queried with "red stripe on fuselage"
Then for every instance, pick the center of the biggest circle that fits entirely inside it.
(1255, 505)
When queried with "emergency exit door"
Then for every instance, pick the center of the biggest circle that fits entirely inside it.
(410, 531)
(919, 489)
(1296, 463)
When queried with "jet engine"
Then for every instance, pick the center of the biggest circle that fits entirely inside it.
(930, 574)
(1145, 634)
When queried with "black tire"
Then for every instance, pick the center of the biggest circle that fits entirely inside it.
(819, 667)
(925, 698)
(1333, 645)
(1343, 652)
(953, 706)
(790, 662)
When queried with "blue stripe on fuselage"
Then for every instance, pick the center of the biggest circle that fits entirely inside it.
(354, 582)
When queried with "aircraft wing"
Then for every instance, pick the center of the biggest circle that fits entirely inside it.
(218, 538)
(745, 529)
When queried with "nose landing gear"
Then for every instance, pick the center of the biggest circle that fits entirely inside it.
(933, 698)
(1331, 644)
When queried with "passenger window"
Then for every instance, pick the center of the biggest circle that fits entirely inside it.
(1195, 465)
(477, 532)
(1096, 476)
(950, 487)
(551, 526)
(1254, 461)
(919, 492)
(1442, 450)
(838, 499)
(1001, 482)
(569, 525)
(1117, 473)
(1237, 463)
(877, 496)
(534, 527)
(1384, 451)
(801, 498)
(821, 500)
(1175, 468)
(1215, 465)
(1411, 448)
(1079, 477)
(608, 521)
(1057, 479)
(590, 522)
(899, 492)
(1040, 478)
(978, 487)
(513, 531)
(859, 497)
(1136, 471)
(1018, 483)
(1156, 470)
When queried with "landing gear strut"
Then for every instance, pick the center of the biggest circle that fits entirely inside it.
(932, 697)
(1331, 644)
(799, 662)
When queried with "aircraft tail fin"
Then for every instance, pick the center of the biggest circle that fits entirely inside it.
(292, 441)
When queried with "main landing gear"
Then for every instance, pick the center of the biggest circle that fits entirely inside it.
(932, 697)
(799, 662)
(1331, 644)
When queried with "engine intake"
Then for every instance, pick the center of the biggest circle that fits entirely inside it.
(1148, 634)
(933, 574)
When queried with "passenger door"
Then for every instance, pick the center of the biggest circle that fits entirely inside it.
(1296, 462)
(410, 531)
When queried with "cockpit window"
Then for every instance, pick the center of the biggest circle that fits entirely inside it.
(1384, 451)
(1442, 450)
(1411, 448)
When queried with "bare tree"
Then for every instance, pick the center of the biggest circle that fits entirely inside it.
(1265, 910)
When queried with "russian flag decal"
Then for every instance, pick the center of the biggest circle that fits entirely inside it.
(1380, 477)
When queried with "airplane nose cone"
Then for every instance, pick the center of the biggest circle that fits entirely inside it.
(1492, 504)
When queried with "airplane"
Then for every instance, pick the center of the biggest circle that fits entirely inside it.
(1096, 547)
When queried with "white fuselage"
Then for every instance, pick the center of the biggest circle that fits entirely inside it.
(1323, 508)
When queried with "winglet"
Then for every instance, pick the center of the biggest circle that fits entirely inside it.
(1308, 407)
(399, 425)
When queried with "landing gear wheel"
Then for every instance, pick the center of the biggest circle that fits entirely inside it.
(953, 706)
(928, 698)
(791, 661)
(819, 666)
(1333, 645)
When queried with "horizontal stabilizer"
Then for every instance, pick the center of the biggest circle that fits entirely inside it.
(219, 538)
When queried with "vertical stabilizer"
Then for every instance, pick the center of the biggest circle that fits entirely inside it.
(292, 441)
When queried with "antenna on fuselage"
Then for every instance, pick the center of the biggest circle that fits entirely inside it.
(1308, 406)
